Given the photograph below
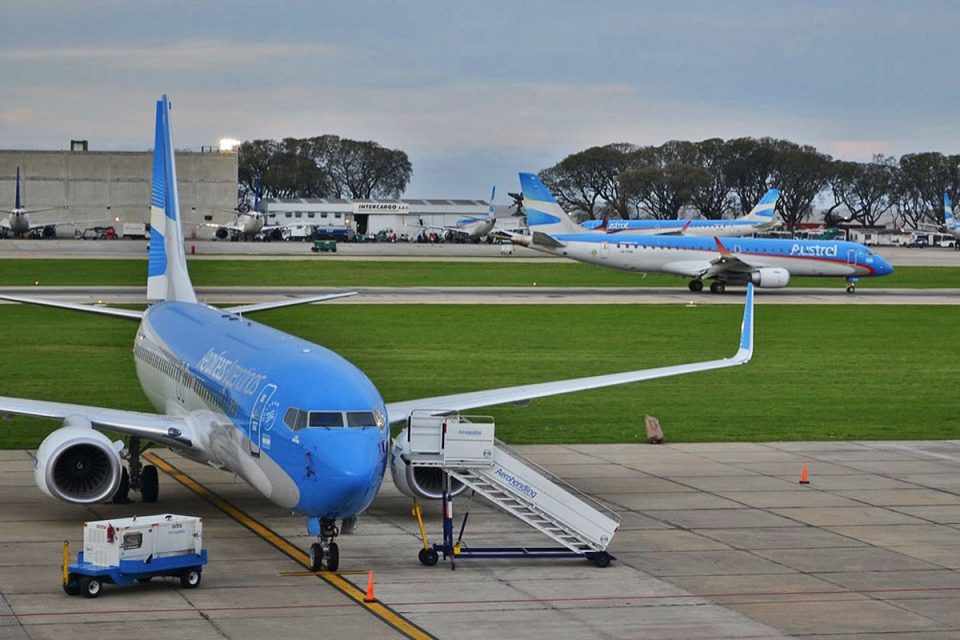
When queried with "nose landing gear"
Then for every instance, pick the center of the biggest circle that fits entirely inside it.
(852, 285)
(325, 552)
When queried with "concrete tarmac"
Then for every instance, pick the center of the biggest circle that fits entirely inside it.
(716, 541)
(220, 250)
(507, 295)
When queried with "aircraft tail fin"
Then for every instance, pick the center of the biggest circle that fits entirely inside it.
(18, 205)
(492, 209)
(948, 220)
(167, 276)
(764, 210)
(544, 213)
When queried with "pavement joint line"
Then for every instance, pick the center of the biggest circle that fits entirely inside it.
(641, 596)
(385, 613)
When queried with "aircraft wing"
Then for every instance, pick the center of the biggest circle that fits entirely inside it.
(400, 411)
(159, 428)
(230, 226)
(107, 311)
(65, 223)
(263, 306)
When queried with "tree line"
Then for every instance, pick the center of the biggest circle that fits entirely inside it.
(721, 178)
(322, 167)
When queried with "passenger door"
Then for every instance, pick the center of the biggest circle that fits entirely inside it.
(261, 419)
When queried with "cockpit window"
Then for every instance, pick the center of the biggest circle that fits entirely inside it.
(325, 419)
(295, 418)
(361, 419)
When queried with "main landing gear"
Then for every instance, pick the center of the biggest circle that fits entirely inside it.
(326, 552)
(852, 285)
(717, 286)
(139, 477)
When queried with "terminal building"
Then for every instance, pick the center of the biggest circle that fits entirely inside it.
(109, 188)
(405, 217)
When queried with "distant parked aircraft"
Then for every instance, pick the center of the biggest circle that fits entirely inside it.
(474, 228)
(760, 218)
(18, 223)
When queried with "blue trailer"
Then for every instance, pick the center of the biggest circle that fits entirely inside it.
(127, 551)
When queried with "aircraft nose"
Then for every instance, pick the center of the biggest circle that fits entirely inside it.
(885, 267)
(348, 470)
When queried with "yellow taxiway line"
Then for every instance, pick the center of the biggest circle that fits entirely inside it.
(380, 610)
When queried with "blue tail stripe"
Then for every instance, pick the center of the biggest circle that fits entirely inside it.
(156, 255)
(158, 182)
(534, 189)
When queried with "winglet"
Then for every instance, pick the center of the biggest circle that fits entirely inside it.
(18, 204)
(745, 352)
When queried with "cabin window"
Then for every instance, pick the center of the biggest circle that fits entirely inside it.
(325, 419)
(361, 419)
(132, 540)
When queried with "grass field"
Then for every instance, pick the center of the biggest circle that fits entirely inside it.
(386, 273)
(820, 372)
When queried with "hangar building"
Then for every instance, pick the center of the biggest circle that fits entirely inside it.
(302, 215)
(114, 186)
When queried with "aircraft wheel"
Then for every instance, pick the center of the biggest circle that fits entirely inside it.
(718, 286)
(149, 484)
(90, 587)
(333, 557)
(851, 288)
(316, 557)
(429, 557)
(122, 496)
(696, 285)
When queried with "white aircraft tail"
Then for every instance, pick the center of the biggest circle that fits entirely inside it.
(492, 209)
(167, 276)
(544, 213)
(763, 212)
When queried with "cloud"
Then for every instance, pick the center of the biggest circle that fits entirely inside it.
(184, 55)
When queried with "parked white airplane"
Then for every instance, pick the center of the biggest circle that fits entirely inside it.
(302, 425)
(18, 222)
(245, 226)
(474, 228)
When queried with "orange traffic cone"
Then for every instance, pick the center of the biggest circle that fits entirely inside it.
(805, 475)
(370, 597)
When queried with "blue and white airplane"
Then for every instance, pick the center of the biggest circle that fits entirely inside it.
(950, 224)
(475, 228)
(760, 218)
(763, 262)
(18, 223)
(299, 423)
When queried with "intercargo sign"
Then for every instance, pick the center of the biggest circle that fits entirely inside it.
(381, 207)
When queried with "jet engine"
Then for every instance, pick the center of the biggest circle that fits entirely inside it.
(770, 277)
(221, 233)
(417, 482)
(78, 464)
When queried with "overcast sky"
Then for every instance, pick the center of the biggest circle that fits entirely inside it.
(476, 91)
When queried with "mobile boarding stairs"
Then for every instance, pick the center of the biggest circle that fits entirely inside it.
(465, 449)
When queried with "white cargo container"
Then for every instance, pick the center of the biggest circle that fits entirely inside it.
(108, 542)
(133, 230)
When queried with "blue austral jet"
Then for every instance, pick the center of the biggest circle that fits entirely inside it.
(299, 423)
(767, 263)
(760, 218)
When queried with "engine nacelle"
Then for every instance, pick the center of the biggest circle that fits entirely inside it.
(770, 277)
(417, 482)
(78, 464)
